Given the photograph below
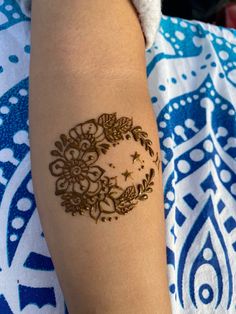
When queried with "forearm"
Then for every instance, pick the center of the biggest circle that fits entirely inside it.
(101, 36)
(104, 264)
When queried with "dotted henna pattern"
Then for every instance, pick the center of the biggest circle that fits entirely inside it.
(83, 185)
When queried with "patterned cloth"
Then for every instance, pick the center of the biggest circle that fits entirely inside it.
(191, 71)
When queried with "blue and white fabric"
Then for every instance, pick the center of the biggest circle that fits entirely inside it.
(191, 70)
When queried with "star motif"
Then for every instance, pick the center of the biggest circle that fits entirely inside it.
(126, 174)
(135, 156)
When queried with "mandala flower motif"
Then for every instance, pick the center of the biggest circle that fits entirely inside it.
(76, 172)
(87, 134)
(73, 202)
(103, 192)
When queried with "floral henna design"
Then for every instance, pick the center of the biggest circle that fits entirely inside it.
(82, 185)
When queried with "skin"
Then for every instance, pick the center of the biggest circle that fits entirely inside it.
(116, 266)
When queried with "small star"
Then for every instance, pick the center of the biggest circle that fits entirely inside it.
(127, 174)
(135, 156)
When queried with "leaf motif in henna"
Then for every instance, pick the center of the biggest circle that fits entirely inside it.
(129, 193)
(140, 189)
(95, 212)
(104, 147)
(151, 152)
(152, 174)
(107, 205)
(123, 124)
(145, 186)
(141, 136)
(59, 146)
(113, 128)
(56, 153)
(107, 120)
(143, 197)
(63, 139)
(113, 135)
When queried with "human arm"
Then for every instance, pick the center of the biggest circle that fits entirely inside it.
(88, 59)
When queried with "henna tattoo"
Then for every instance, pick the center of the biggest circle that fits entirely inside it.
(135, 157)
(157, 161)
(141, 136)
(127, 174)
(82, 185)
